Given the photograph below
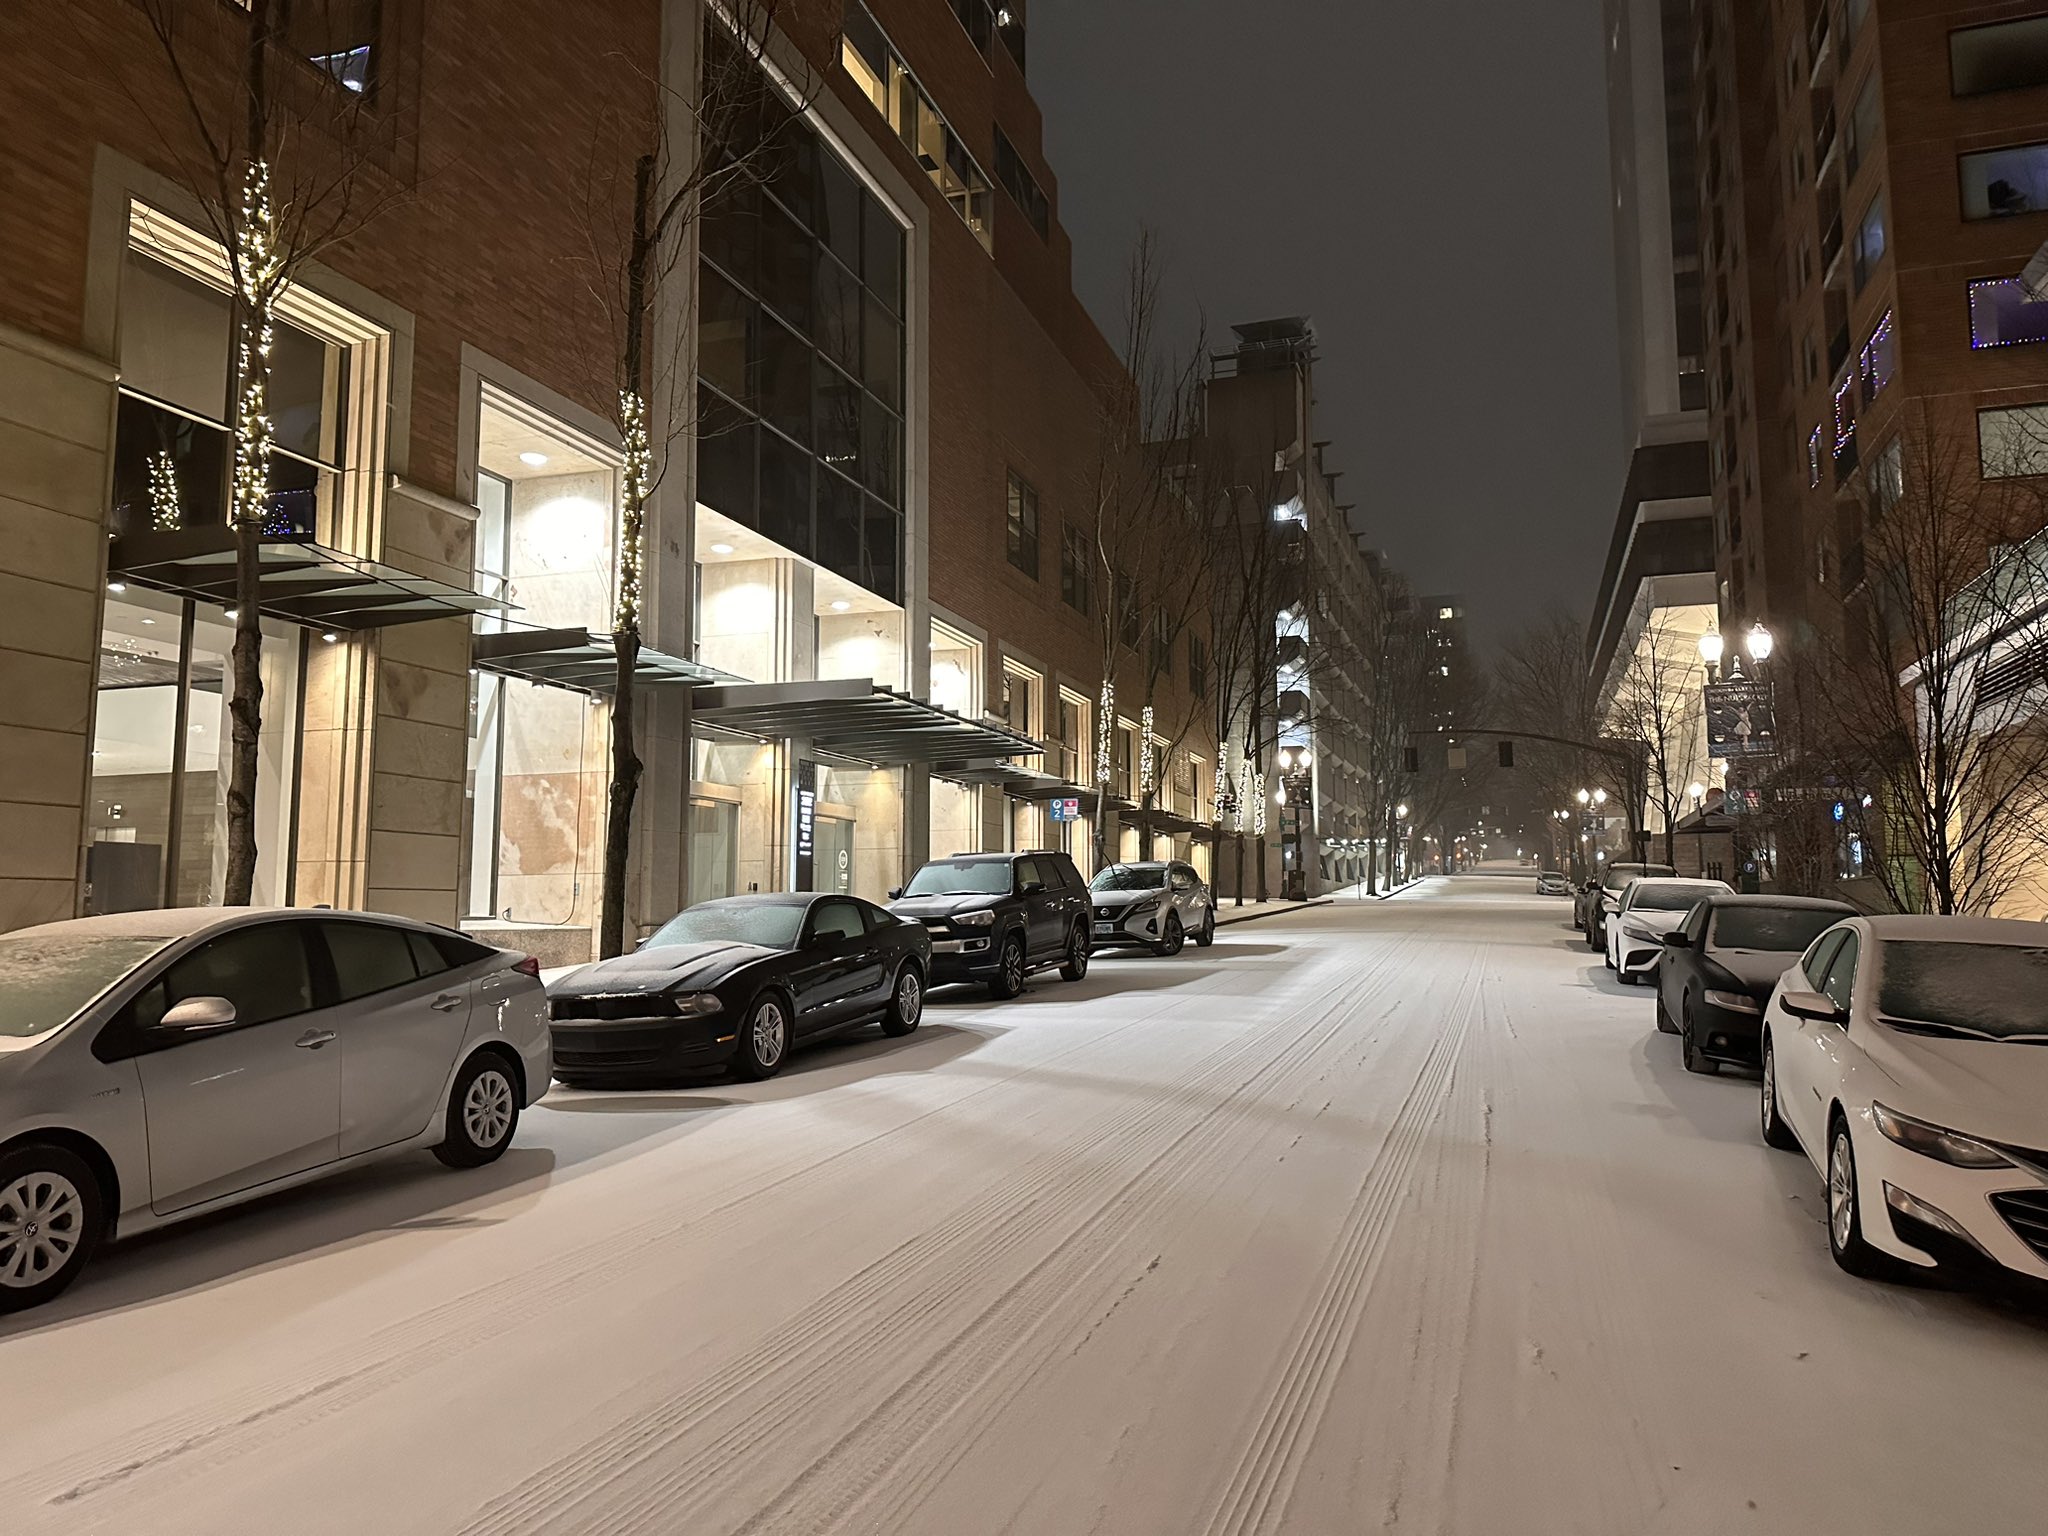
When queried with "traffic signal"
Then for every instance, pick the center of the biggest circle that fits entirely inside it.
(1411, 760)
(1507, 754)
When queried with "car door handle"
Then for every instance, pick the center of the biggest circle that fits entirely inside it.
(313, 1039)
(447, 1002)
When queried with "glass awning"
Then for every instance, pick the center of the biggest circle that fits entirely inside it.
(301, 582)
(576, 658)
(858, 720)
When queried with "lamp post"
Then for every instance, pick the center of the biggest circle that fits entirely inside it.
(1296, 786)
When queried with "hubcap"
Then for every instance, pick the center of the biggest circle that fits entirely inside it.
(1770, 1099)
(1077, 956)
(42, 1218)
(487, 1108)
(768, 1034)
(1841, 1191)
(1013, 966)
(909, 997)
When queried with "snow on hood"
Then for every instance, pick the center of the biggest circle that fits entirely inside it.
(916, 907)
(660, 967)
(1757, 969)
(1987, 1088)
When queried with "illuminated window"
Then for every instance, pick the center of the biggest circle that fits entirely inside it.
(1880, 359)
(1870, 243)
(2001, 316)
(2003, 183)
(886, 81)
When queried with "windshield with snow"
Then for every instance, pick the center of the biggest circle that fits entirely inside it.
(1668, 898)
(1619, 875)
(961, 877)
(1129, 877)
(47, 980)
(1780, 930)
(1999, 991)
(772, 925)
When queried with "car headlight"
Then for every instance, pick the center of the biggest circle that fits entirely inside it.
(1932, 1141)
(1734, 1002)
(1143, 908)
(979, 919)
(695, 1005)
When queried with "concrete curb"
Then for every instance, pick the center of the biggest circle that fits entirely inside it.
(1253, 917)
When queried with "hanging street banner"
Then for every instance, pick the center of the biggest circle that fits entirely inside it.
(1740, 719)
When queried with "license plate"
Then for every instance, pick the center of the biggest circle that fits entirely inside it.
(1105, 929)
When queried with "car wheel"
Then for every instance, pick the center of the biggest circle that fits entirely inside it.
(483, 1111)
(1664, 1024)
(1009, 977)
(1776, 1132)
(906, 1002)
(51, 1220)
(1689, 1049)
(1845, 1214)
(1171, 941)
(1076, 965)
(764, 1039)
(1206, 934)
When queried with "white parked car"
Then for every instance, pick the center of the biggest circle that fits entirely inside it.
(159, 1065)
(1908, 1057)
(1651, 908)
(1159, 904)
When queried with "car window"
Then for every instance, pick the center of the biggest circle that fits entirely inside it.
(1992, 990)
(875, 917)
(836, 920)
(1696, 923)
(1785, 930)
(1028, 873)
(730, 920)
(368, 957)
(1841, 981)
(262, 970)
(1815, 962)
(427, 956)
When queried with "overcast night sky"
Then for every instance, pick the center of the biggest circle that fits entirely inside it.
(1429, 184)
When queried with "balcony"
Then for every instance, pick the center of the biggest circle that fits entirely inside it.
(1825, 141)
(1821, 39)
(1831, 244)
(1838, 350)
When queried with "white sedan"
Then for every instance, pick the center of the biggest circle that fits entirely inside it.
(1650, 908)
(1908, 1057)
(159, 1065)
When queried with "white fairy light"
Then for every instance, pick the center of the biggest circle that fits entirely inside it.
(638, 475)
(1105, 722)
(1147, 768)
(258, 265)
(165, 514)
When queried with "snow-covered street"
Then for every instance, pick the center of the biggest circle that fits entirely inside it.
(1377, 1216)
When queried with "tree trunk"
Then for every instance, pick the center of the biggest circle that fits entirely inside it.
(1237, 841)
(253, 266)
(625, 788)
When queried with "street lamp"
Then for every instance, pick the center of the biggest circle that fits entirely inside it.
(1712, 647)
(1585, 796)
(1760, 643)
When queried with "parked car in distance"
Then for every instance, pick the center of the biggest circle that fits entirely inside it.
(738, 982)
(160, 1065)
(1604, 898)
(1720, 965)
(1159, 904)
(997, 917)
(1649, 908)
(1551, 882)
(1908, 1058)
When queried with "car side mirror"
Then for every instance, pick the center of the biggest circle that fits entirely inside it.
(1033, 887)
(1678, 940)
(896, 894)
(1816, 1006)
(197, 1016)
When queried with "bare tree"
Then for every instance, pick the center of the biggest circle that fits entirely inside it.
(285, 153)
(1657, 711)
(668, 154)
(1937, 685)
(1542, 684)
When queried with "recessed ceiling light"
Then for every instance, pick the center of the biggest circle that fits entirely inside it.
(533, 460)
(840, 605)
(330, 637)
(721, 549)
(149, 621)
(117, 586)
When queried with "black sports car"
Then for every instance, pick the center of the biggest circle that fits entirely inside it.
(1720, 964)
(738, 982)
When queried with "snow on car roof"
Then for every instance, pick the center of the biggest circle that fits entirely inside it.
(1959, 930)
(152, 923)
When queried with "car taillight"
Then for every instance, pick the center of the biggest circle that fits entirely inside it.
(528, 965)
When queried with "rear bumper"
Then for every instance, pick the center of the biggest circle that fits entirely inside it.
(641, 1048)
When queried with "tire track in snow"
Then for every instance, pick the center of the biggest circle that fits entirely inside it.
(918, 1305)
(1256, 1495)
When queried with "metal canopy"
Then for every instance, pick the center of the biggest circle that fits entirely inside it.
(301, 582)
(575, 658)
(856, 719)
(1013, 779)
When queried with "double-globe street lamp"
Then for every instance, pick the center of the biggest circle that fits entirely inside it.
(1293, 794)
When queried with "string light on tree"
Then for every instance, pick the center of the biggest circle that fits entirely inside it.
(1259, 801)
(1105, 722)
(638, 473)
(165, 514)
(258, 265)
(1147, 767)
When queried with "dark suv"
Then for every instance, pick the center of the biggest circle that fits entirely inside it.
(997, 917)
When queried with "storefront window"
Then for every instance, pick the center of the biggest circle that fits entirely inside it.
(160, 760)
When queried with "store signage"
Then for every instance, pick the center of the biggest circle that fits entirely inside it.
(1066, 810)
(1741, 720)
(806, 819)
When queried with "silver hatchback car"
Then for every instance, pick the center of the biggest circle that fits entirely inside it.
(158, 1065)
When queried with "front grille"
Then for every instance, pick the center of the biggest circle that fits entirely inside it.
(2026, 1212)
(1105, 912)
(570, 1057)
(614, 1006)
